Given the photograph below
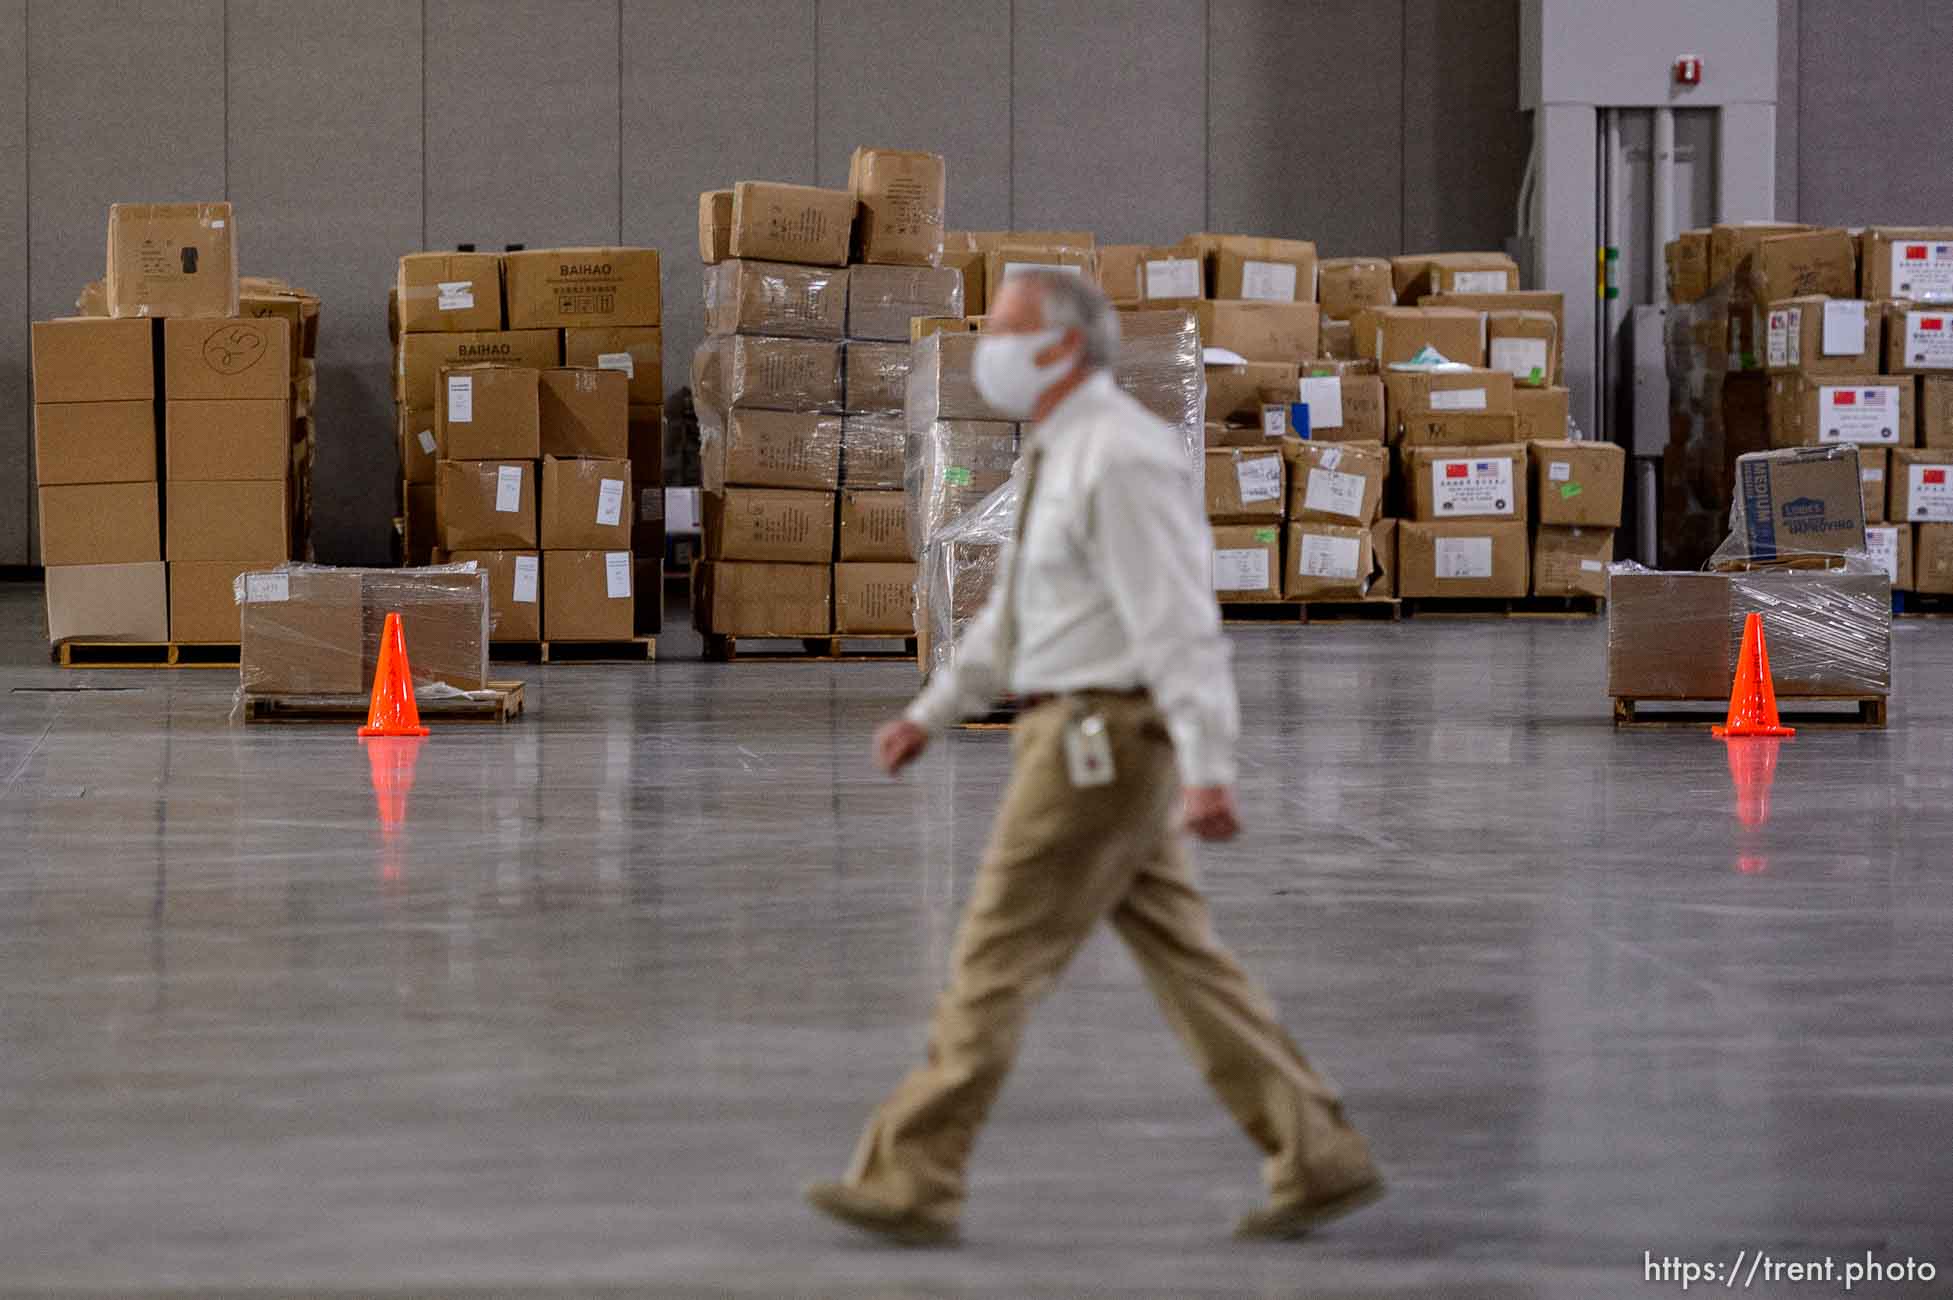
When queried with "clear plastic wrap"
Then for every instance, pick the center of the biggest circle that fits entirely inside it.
(940, 386)
(952, 466)
(874, 449)
(781, 449)
(1160, 366)
(767, 373)
(877, 377)
(882, 300)
(958, 567)
(776, 298)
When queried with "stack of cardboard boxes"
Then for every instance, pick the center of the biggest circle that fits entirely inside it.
(530, 389)
(800, 388)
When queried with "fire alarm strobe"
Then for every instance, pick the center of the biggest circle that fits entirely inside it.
(1688, 70)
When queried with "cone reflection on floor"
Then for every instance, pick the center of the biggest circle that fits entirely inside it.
(1753, 700)
(1753, 766)
(393, 711)
(392, 760)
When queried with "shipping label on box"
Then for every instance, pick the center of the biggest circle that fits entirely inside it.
(1468, 486)
(1922, 269)
(1929, 340)
(1245, 561)
(1858, 414)
(1929, 494)
(1882, 546)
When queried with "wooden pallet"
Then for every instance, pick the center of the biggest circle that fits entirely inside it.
(1869, 712)
(818, 649)
(1381, 609)
(146, 654)
(506, 706)
(1543, 607)
(635, 650)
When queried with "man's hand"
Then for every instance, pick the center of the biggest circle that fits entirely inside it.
(898, 744)
(1210, 811)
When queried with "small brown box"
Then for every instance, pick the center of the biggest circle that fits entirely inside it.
(203, 608)
(107, 602)
(552, 288)
(1336, 482)
(589, 596)
(636, 350)
(1328, 562)
(1816, 336)
(941, 382)
(490, 412)
(1460, 428)
(1251, 268)
(884, 301)
(1171, 275)
(1874, 466)
(873, 527)
(874, 599)
(1234, 393)
(1550, 301)
(423, 356)
(1389, 335)
(791, 223)
(769, 525)
(229, 521)
(873, 451)
(1921, 486)
(1260, 331)
(899, 200)
(1932, 559)
(1687, 259)
(1345, 407)
(1578, 484)
(1248, 561)
(1477, 558)
(94, 360)
(714, 226)
(764, 600)
(172, 259)
(1524, 344)
(211, 440)
(877, 378)
(1417, 274)
(584, 504)
(1336, 339)
(1346, 285)
(1467, 482)
(236, 358)
(96, 442)
(1819, 262)
(779, 299)
(768, 373)
(100, 523)
(486, 505)
(1571, 561)
(1245, 484)
(1812, 411)
(1541, 413)
(514, 591)
(778, 449)
(445, 292)
(1935, 411)
(583, 412)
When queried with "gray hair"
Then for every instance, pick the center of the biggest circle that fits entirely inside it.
(1072, 302)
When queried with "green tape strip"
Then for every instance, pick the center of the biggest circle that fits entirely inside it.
(1266, 535)
(1569, 490)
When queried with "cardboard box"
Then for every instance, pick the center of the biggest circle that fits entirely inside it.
(899, 213)
(420, 449)
(439, 292)
(1550, 301)
(872, 599)
(1342, 408)
(1337, 339)
(1383, 542)
(1328, 562)
(1245, 484)
(1234, 393)
(883, 301)
(1917, 340)
(873, 526)
(877, 378)
(1807, 411)
(1732, 245)
(1815, 336)
(1462, 558)
(96, 442)
(553, 288)
(777, 449)
(1874, 469)
(1891, 545)
(91, 360)
(873, 452)
(107, 602)
(1524, 344)
(172, 259)
(1119, 270)
(768, 373)
(940, 385)
(1909, 262)
(228, 521)
(1389, 335)
(1346, 285)
(1260, 331)
(1571, 561)
(1460, 429)
(1932, 559)
(1467, 482)
(1335, 482)
(1541, 413)
(714, 226)
(424, 356)
(215, 440)
(1174, 274)
(584, 504)
(1814, 262)
(1002, 262)
(636, 350)
(763, 600)
(1411, 393)
(1578, 484)
(1263, 270)
(229, 359)
(1687, 260)
(1248, 561)
(769, 525)
(968, 263)
(203, 609)
(490, 413)
(1807, 499)
(1417, 274)
(582, 411)
(955, 465)
(304, 634)
(791, 223)
(486, 505)
(100, 523)
(1921, 482)
(420, 521)
(777, 298)
(591, 596)
(514, 591)
(444, 616)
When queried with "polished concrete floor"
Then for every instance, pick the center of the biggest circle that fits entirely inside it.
(635, 968)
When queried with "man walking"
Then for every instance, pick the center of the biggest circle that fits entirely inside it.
(1103, 621)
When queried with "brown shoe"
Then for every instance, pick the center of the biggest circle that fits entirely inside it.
(859, 1210)
(1292, 1219)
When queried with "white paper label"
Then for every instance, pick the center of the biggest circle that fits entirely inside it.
(1871, 476)
(1274, 420)
(1260, 478)
(1458, 399)
(617, 361)
(1331, 457)
(1922, 271)
(1324, 395)
(1784, 337)
(610, 502)
(1464, 557)
(427, 443)
(1333, 493)
(267, 588)
(1882, 544)
(1591, 566)
(1472, 487)
(528, 579)
(455, 295)
(1479, 282)
(217, 225)
(1021, 268)
(1241, 570)
(1929, 340)
(1268, 281)
(681, 510)
(1520, 358)
(1328, 557)
(508, 489)
(461, 399)
(1857, 414)
(617, 574)
(1929, 494)
(1173, 277)
(1844, 328)
(1559, 471)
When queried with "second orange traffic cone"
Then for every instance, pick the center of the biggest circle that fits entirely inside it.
(393, 711)
(1753, 702)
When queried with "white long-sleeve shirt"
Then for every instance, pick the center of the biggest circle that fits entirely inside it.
(1116, 590)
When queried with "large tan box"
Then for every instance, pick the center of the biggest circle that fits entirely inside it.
(1571, 561)
(1467, 482)
(1260, 331)
(1816, 335)
(202, 606)
(490, 412)
(424, 356)
(589, 596)
(584, 504)
(1347, 285)
(877, 378)
(96, 442)
(514, 591)
(1345, 407)
(764, 600)
(303, 633)
(1416, 274)
(1921, 485)
(1932, 559)
(1909, 262)
(636, 350)
(1261, 270)
(107, 602)
(1810, 411)
(899, 199)
(873, 452)
(87, 359)
(768, 373)
(1411, 393)
(714, 226)
(1542, 413)
(873, 527)
(777, 449)
(768, 525)
(444, 292)
(1524, 344)
(228, 521)
(100, 523)
(210, 441)
(1470, 558)
(1460, 428)
(172, 259)
(1731, 246)
(584, 411)
(956, 464)
(940, 382)
(1328, 562)
(231, 359)
(1578, 484)
(1918, 340)
(1798, 500)
(1248, 561)
(1820, 262)
(777, 298)
(1335, 482)
(444, 616)
(1235, 393)
(1891, 545)
(553, 288)
(1175, 274)
(1550, 301)
(1874, 470)
(1389, 335)
(791, 223)
(1245, 485)
(874, 599)
(486, 505)
(883, 301)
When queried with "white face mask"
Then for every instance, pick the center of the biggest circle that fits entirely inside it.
(1006, 372)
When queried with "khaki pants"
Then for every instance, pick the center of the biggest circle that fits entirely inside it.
(1061, 858)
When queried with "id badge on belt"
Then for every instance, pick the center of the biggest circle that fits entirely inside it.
(1088, 751)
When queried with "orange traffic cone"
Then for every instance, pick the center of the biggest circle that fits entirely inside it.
(1753, 702)
(393, 711)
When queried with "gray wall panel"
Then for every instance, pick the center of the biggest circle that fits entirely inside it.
(521, 124)
(1109, 103)
(706, 104)
(323, 208)
(1330, 170)
(922, 74)
(1789, 90)
(1465, 140)
(16, 399)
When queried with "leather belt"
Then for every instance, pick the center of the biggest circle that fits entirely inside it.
(1036, 698)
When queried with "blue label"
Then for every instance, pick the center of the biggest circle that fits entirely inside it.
(1298, 419)
(1760, 510)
